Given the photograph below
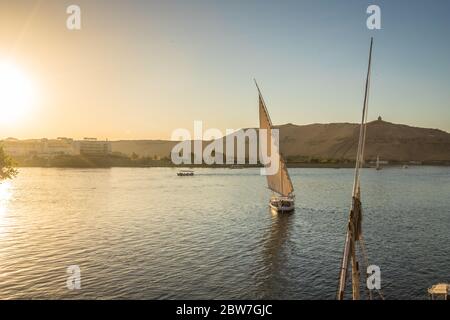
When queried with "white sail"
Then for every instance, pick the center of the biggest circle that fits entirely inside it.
(280, 182)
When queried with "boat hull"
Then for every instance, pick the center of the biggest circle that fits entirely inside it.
(185, 174)
(282, 205)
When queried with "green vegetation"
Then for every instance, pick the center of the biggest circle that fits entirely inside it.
(7, 170)
(84, 161)
(118, 159)
(307, 161)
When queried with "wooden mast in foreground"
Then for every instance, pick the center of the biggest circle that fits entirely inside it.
(354, 232)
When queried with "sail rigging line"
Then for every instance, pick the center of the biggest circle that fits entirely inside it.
(365, 265)
(366, 259)
(362, 130)
(369, 73)
(281, 176)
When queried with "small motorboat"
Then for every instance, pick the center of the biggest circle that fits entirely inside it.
(185, 173)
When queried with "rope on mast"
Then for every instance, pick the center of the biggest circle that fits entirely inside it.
(354, 232)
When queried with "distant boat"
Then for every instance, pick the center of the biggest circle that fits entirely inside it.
(280, 183)
(378, 167)
(184, 173)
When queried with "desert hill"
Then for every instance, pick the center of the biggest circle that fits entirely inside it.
(338, 141)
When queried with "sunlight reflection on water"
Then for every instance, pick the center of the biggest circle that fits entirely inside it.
(148, 234)
(5, 196)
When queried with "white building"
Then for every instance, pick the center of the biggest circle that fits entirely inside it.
(52, 147)
(14, 147)
(94, 147)
(40, 147)
(60, 146)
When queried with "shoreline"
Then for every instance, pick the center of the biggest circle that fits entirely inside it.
(124, 161)
(239, 167)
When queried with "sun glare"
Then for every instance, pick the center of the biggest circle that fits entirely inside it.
(16, 93)
(5, 195)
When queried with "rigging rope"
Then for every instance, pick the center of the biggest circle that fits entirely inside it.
(365, 265)
(366, 261)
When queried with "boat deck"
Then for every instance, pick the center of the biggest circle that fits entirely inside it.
(439, 290)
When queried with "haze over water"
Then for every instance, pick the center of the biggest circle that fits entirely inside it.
(148, 234)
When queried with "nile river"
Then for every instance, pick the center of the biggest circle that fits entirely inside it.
(148, 234)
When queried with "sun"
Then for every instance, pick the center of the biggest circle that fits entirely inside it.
(16, 93)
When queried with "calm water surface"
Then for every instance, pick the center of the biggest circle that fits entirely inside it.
(148, 234)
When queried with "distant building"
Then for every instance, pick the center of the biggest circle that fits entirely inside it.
(15, 147)
(39, 147)
(59, 146)
(53, 147)
(93, 147)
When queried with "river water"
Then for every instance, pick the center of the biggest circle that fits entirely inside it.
(148, 234)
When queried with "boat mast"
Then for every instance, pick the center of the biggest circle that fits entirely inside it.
(354, 231)
(281, 176)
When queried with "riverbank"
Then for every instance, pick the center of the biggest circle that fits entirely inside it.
(120, 160)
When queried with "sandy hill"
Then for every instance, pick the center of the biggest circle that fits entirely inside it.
(388, 140)
(393, 142)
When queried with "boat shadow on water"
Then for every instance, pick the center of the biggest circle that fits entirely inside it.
(270, 280)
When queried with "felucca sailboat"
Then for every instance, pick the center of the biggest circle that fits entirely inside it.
(280, 182)
(354, 235)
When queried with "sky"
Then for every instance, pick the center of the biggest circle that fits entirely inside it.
(141, 69)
